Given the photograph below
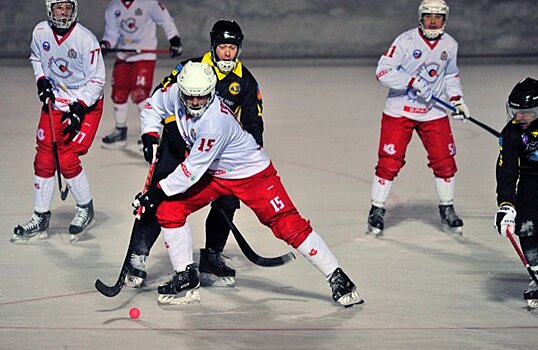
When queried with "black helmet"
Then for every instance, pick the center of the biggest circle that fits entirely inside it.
(523, 98)
(226, 32)
(524, 95)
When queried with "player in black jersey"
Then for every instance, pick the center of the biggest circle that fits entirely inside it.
(240, 91)
(517, 173)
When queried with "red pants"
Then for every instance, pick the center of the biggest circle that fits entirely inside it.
(132, 78)
(436, 136)
(263, 193)
(69, 150)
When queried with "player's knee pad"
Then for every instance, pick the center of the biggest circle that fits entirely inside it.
(445, 168)
(388, 168)
(70, 165)
(226, 203)
(44, 165)
(120, 96)
(292, 228)
(139, 94)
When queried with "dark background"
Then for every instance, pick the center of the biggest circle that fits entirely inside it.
(309, 28)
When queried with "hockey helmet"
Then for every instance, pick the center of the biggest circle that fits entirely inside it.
(225, 32)
(65, 21)
(196, 79)
(523, 98)
(438, 7)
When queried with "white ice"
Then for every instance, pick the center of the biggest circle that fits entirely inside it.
(424, 289)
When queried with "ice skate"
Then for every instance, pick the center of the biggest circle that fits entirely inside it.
(213, 270)
(344, 291)
(531, 295)
(451, 221)
(181, 289)
(83, 220)
(137, 271)
(376, 221)
(35, 229)
(115, 140)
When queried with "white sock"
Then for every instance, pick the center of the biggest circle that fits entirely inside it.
(120, 114)
(80, 188)
(318, 254)
(43, 192)
(445, 190)
(380, 191)
(178, 242)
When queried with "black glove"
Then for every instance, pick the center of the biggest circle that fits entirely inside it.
(74, 118)
(104, 47)
(148, 141)
(149, 200)
(175, 47)
(44, 90)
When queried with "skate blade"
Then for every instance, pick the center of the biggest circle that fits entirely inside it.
(22, 239)
(134, 281)
(191, 297)
(210, 280)
(114, 146)
(453, 230)
(374, 232)
(350, 299)
(76, 237)
(532, 303)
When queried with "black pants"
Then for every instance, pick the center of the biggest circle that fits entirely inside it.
(527, 216)
(170, 154)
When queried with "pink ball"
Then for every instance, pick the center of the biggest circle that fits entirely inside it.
(134, 313)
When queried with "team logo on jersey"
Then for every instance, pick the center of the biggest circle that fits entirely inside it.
(46, 46)
(234, 88)
(72, 54)
(193, 134)
(444, 56)
(129, 25)
(417, 54)
(428, 72)
(59, 67)
(389, 148)
(40, 134)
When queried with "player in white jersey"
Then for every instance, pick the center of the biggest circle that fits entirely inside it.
(132, 24)
(224, 160)
(420, 63)
(70, 73)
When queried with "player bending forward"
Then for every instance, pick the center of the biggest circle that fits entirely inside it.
(70, 72)
(224, 160)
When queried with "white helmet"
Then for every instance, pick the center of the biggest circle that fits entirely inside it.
(62, 23)
(196, 79)
(436, 7)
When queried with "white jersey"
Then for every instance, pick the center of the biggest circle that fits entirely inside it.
(133, 25)
(218, 144)
(412, 55)
(72, 63)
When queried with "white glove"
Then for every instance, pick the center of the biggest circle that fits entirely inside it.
(462, 112)
(422, 89)
(505, 219)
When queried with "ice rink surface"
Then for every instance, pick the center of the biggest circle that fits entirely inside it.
(424, 288)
